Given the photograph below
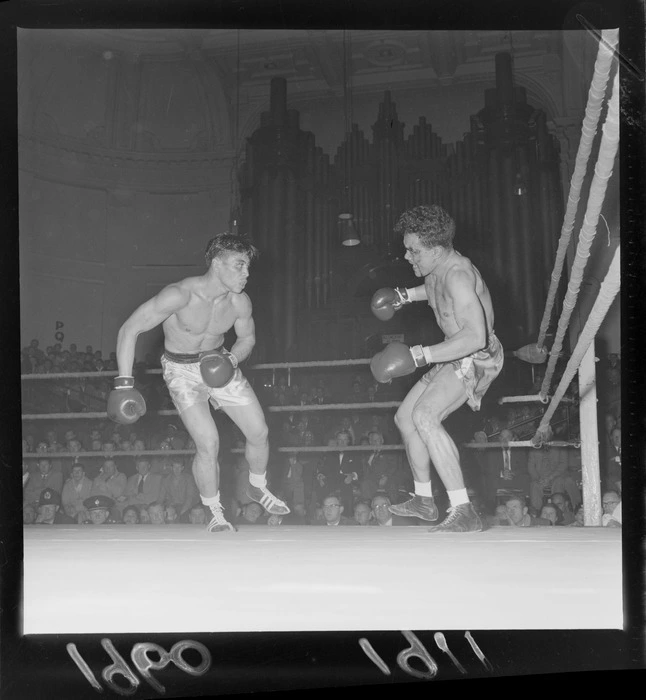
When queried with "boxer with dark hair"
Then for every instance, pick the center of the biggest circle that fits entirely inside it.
(464, 363)
(195, 314)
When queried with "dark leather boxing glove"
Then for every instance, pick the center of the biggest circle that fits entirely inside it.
(386, 301)
(217, 368)
(125, 404)
(394, 361)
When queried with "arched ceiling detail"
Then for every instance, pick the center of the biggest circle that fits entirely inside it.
(182, 90)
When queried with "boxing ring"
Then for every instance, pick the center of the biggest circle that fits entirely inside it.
(178, 578)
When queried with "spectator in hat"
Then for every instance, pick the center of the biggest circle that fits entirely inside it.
(98, 508)
(76, 489)
(49, 509)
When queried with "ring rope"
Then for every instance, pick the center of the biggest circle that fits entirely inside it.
(602, 172)
(607, 293)
(270, 365)
(312, 448)
(596, 94)
(523, 399)
(176, 453)
(521, 443)
(271, 409)
(334, 406)
(530, 398)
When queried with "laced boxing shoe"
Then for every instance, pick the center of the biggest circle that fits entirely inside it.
(262, 495)
(219, 523)
(462, 518)
(416, 507)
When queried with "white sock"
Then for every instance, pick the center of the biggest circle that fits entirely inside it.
(423, 488)
(258, 480)
(458, 497)
(212, 500)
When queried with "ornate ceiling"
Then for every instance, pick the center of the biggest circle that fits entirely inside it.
(197, 90)
(315, 58)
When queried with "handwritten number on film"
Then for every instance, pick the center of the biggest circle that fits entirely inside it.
(140, 656)
(142, 651)
(418, 650)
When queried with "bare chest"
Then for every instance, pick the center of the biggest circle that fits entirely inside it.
(440, 303)
(202, 319)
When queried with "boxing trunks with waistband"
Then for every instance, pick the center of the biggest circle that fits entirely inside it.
(476, 371)
(186, 387)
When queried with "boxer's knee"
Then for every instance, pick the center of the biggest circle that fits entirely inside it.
(404, 422)
(425, 418)
(207, 446)
(258, 435)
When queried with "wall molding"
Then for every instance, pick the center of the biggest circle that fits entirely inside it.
(67, 160)
(68, 278)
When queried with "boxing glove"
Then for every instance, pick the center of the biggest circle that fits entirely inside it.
(217, 368)
(394, 361)
(386, 301)
(125, 404)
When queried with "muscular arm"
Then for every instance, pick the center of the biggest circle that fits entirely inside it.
(417, 293)
(148, 316)
(469, 316)
(245, 328)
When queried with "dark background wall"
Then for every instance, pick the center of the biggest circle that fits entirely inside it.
(130, 142)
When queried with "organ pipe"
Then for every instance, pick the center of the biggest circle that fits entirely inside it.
(291, 195)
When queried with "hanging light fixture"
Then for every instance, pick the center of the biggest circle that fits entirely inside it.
(520, 180)
(347, 227)
(234, 218)
(349, 233)
(520, 188)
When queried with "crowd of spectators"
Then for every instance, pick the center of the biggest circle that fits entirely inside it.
(511, 487)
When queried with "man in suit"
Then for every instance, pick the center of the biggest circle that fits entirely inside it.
(45, 478)
(76, 489)
(379, 469)
(382, 517)
(293, 490)
(179, 489)
(504, 468)
(613, 464)
(143, 487)
(548, 471)
(109, 481)
(341, 469)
